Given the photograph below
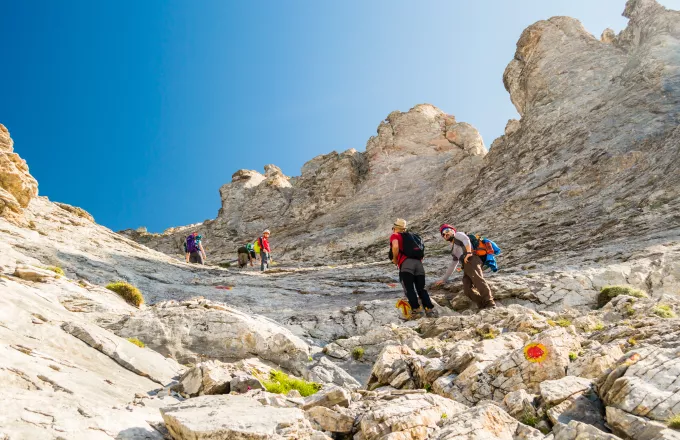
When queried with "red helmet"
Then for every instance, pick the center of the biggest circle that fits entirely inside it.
(446, 226)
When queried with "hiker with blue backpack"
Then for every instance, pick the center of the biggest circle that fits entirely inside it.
(194, 249)
(406, 252)
(472, 252)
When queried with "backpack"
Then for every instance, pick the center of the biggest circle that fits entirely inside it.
(484, 248)
(250, 247)
(257, 246)
(191, 244)
(412, 246)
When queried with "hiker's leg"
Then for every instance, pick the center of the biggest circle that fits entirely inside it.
(469, 292)
(262, 261)
(422, 293)
(407, 282)
(477, 277)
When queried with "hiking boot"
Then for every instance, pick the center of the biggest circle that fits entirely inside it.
(416, 314)
(431, 313)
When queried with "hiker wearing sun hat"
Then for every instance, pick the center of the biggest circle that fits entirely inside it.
(461, 251)
(263, 242)
(407, 252)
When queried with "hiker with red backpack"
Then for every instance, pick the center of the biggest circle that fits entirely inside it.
(406, 252)
(470, 257)
(263, 244)
(194, 249)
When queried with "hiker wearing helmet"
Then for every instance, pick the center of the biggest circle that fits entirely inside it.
(407, 251)
(474, 285)
(263, 242)
(193, 249)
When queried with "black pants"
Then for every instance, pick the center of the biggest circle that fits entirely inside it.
(412, 284)
(196, 257)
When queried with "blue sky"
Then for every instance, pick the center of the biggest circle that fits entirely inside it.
(139, 111)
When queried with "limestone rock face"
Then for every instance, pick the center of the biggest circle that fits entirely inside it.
(416, 157)
(17, 186)
(594, 153)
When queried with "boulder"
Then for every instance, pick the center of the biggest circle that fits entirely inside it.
(142, 361)
(555, 391)
(645, 383)
(210, 377)
(196, 327)
(32, 273)
(577, 430)
(486, 421)
(325, 371)
(244, 383)
(520, 404)
(626, 425)
(328, 397)
(412, 416)
(595, 362)
(229, 417)
(326, 419)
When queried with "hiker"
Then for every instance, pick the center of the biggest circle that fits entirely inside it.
(194, 249)
(262, 246)
(407, 251)
(462, 252)
(245, 256)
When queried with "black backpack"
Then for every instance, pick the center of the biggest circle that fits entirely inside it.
(413, 246)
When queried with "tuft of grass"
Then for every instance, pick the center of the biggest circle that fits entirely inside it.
(358, 353)
(632, 341)
(130, 293)
(280, 383)
(563, 322)
(630, 311)
(674, 422)
(137, 342)
(444, 416)
(428, 387)
(551, 323)
(597, 327)
(573, 356)
(56, 269)
(530, 420)
(609, 292)
(663, 311)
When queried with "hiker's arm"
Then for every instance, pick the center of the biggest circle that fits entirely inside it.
(187, 256)
(200, 246)
(395, 251)
(449, 271)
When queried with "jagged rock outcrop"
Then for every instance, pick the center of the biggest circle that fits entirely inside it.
(17, 186)
(594, 155)
(416, 157)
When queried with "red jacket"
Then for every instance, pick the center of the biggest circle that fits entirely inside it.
(264, 244)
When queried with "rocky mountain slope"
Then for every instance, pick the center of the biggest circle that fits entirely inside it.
(593, 159)
(558, 360)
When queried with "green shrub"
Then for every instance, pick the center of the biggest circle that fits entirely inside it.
(663, 311)
(280, 383)
(609, 292)
(428, 387)
(358, 353)
(56, 269)
(563, 322)
(137, 342)
(573, 356)
(674, 422)
(530, 420)
(130, 293)
(630, 311)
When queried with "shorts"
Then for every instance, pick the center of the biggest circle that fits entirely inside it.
(412, 266)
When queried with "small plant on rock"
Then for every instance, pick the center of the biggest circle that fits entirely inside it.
(137, 342)
(428, 387)
(674, 422)
(56, 269)
(551, 323)
(563, 322)
(529, 419)
(358, 353)
(444, 416)
(664, 311)
(632, 341)
(609, 292)
(280, 383)
(225, 265)
(597, 327)
(573, 356)
(130, 293)
(630, 311)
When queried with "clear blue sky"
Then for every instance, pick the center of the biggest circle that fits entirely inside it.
(138, 111)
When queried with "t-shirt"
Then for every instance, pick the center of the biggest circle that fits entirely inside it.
(401, 257)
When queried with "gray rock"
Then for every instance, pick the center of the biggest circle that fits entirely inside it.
(329, 397)
(230, 417)
(555, 391)
(327, 419)
(210, 377)
(578, 430)
(142, 361)
(486, 421)
(242, 384)
(627, 425)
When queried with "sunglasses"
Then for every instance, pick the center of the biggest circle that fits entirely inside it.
(446, 231)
